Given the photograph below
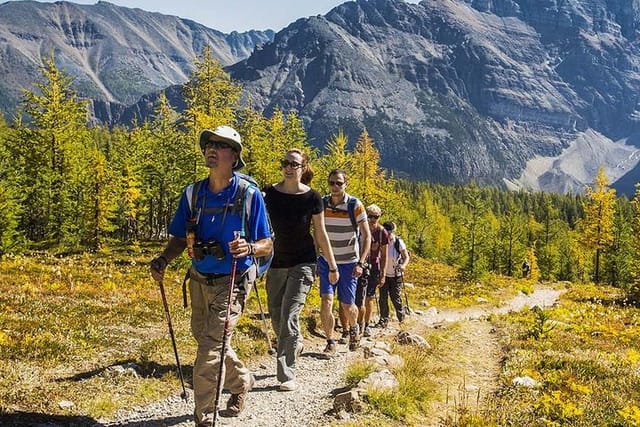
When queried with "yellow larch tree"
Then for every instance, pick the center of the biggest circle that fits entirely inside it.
(597, 226)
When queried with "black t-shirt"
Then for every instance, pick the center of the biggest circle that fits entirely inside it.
(290, 216)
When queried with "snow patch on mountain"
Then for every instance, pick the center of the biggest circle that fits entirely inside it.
(576, 166)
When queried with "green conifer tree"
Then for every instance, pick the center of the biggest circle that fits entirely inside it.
(12, 179)
(56, 151)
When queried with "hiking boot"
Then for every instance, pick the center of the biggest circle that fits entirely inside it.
(344, 337)
(382, 323)
(236, 403)
(290, 385)
(367, 331)
(354, 339)
(330, 350)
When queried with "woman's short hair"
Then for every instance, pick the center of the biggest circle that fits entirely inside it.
(374, 209)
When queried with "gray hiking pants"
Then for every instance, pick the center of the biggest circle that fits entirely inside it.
(287, 290)
(208, 313)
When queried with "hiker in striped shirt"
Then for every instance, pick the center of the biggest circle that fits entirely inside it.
(346, 222)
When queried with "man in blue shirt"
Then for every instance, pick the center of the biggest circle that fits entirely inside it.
(208, 223)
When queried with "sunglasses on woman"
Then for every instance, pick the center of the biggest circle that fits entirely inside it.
(293, 165)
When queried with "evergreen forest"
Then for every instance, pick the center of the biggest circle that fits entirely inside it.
(68, 185)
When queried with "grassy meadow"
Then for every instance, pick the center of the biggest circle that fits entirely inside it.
(66, 319)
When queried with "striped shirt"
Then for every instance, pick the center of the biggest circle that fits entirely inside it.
(342, 236)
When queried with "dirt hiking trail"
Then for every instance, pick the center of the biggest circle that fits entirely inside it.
(472, 374)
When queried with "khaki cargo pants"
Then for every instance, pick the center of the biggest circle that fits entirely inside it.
(209, 309)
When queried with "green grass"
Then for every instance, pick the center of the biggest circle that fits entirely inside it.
(358, 371)
(587, 366)
(415, 391)
(64, 319)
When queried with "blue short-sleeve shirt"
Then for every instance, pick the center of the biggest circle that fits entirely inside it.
(220, 226)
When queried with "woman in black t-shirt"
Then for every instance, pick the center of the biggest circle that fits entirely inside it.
(293, 206)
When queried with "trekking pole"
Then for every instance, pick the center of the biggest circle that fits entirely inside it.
(404, 291)
(173, 339)
(264, 323)
(377, 305)
(225, 332)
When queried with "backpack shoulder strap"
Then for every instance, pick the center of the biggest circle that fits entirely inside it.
(192, 191)
(240, 202)
(396, 245)
(351, 208)
(245, 195)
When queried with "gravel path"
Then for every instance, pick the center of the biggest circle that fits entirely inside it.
(320, 379)
(475, 362)
(310, 405)
(542, 297)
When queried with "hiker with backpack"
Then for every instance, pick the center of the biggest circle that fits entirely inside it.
(293, 206)
(397, 260)
(222, 222)
(376, 265)
(345, 219)
(526, 268)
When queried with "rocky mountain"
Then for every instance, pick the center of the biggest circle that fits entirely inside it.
(534, 94)
(501, 91)
(115, 54)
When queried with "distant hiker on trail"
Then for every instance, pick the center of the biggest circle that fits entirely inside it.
(209, 223)
(397, 260)
(526, 269)
(344, 217)
(292, 207)
(376, 264)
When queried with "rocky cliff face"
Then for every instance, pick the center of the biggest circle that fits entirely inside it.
(115, 54)
(454, 91)
(521, 93)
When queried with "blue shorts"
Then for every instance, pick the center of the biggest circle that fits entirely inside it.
(346, 285)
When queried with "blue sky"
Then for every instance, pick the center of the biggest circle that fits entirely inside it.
(229, 15)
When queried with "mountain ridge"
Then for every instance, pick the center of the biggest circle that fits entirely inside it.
(450, 91)
(473, 95)
(103, 45)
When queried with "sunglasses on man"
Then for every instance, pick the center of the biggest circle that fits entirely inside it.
(338, 183)
(216, 145)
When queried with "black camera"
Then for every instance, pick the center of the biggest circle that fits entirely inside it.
(210, 247)
(366, 270)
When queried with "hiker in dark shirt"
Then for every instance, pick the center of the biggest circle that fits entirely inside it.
(526, 268)
(293, 206)
(376, 266)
